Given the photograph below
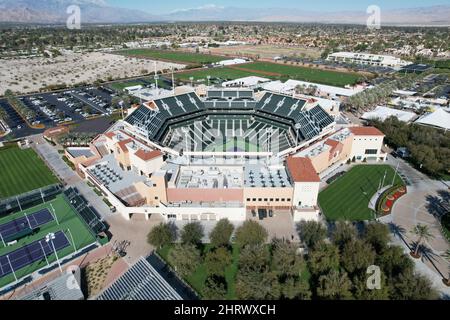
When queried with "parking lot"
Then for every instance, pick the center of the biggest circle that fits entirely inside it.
(52, 109)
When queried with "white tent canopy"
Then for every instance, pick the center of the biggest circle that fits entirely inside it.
(440, 118)
(382, 113)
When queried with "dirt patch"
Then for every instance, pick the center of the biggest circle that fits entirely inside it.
(95, 274)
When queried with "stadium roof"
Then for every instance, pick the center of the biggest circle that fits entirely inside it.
(440, 119)
(302, 170)
(382, 113)
(57, 289)
(140, 282)
(366, 131)
(152, 119)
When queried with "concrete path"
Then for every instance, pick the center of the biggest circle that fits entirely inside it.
(421, 205)
(67, 175)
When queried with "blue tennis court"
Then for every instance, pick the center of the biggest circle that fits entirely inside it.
(32, 221)
(31, 253)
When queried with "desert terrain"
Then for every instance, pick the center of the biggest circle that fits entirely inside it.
(26, 75)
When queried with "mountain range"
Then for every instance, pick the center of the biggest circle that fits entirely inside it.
(98, 11)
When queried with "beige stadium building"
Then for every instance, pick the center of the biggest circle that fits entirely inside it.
(224, 155)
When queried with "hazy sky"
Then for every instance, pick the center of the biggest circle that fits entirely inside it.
(157, 6)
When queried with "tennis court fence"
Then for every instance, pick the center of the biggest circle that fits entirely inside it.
(29, 199)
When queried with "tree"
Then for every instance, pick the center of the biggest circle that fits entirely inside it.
(214, 289)
(343, 232)
(323, 258)
(161, 235)
(294, 288)
(285, 260)
(424, 234)
(334, 285)
(250, 233)
(356, 256)
(221, 234)
(192, 233)
(257, 286)
(411, 286)
(254, 258)
(217, 260)
(393, 261)
(311, 232)
(185, 258)
(377, 234)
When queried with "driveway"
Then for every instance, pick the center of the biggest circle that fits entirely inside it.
(67, 175)
(421, 205)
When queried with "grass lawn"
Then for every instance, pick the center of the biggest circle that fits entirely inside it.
(198, 278)
(119, 86)
(334, 78)
(223, 73)
(22, 171)
(348, 197)
(176, 56)
(68, 220)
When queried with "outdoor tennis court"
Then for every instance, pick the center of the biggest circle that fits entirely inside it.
(10, 229)
(30, 253)
(26, 254)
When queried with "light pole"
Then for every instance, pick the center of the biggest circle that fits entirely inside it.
(54, 214)
(395, 173)
(49, 238)
(45, 255)
(12, 269)
(208, 77)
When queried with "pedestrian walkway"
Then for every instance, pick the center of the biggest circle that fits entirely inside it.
(67, 175)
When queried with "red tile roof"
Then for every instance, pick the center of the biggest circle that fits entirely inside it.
(335, 146)
(366, 131)
(122, 144)
(302, 170)
(110, 134)
(148, 155)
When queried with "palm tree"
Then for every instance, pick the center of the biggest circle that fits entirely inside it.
(446, 255)
(423, 233)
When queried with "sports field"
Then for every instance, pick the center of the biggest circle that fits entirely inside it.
(22, 171)
(222, 73)
(175, 56)
(68, 220)
(120, 86)
(348, 197)
(327, 77)
(233, 145)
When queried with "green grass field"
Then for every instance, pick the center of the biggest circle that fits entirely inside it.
(175, 56)
(334, 78)
(223, 73)
(348, 197)
(22, 171)
(119, 86)
(68, 220)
